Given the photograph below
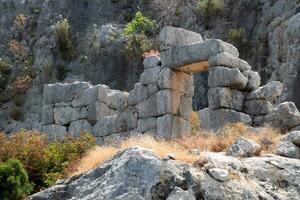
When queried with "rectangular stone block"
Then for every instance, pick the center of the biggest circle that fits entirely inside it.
(65, 115)
(222, 97)
(150, 76)
(145, 125)
(170, 127)
(54, 132)
(47, 114)
(163, 102)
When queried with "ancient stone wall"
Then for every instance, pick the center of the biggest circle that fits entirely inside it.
(161, 102)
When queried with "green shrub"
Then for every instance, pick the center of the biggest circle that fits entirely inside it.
(238, 38)
(137, 45)
(14, 183)
(65, 45)
(209, 8)
(5, 68)
(45, 162)
(141, 25)
(19, 100)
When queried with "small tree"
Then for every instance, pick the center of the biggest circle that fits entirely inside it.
(14, 183)
(141, 25)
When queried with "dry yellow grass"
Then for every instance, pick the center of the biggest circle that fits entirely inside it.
(205, 141)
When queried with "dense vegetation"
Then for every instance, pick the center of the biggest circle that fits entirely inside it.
(45, 162)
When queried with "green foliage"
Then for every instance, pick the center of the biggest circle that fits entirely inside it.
(138, 44)
(141, 25)
(209, 8)
(45, 162)
(238, 38)
(61, 72)
(65, 45)
(14, 183)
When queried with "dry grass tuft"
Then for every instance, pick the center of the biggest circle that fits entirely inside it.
(205, 141)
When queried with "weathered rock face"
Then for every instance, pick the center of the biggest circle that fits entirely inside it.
(244, 148)
(137, 173)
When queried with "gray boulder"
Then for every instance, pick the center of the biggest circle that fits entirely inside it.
(216, 119)
(65, 115)
(180, 194)
(171, 36)
(97, 111)
(78, 127)
(228, 60)
(226, 77)
(129, 175)
(105, 126)
(253, 80)
(244, 148)
(288, 149)
(269, 92)
(258, 107)
(225, 98)
(293, 137)
(54, 132)
(284, 116)
(102, 93)
(151, 61)
(219, 174)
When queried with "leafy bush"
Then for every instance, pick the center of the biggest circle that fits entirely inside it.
(138, 44)
(21, 84)
(208, 8)
(45, 162)
(239, 39)
(14, 183)
(65, 45)
(141, 25)
(18, 50)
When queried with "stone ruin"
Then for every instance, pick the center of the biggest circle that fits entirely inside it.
(161, 102)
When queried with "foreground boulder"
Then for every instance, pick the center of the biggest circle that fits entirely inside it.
(244, 148)
(138, 174)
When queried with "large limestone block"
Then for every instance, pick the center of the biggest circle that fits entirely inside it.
(171, 37)
(226, 77)
(258, 107)
(244, 148)
(54, 132)
(253, 80)
(150, 76)
(176, 80)
(105, 126)
(170, 127)
(85, 97)
(141, 92)
(225, 98)
(216, 119)
(77, 127)
(65, 115)
(186, 108)
(47, 114)
(58, 92)
(145, 125)
(98, 110)
(228, 60)
(117, 99)
(163, 102)
(269, 92)
(284, 116)
(184, 55)
(151, 61)
(102, 93)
